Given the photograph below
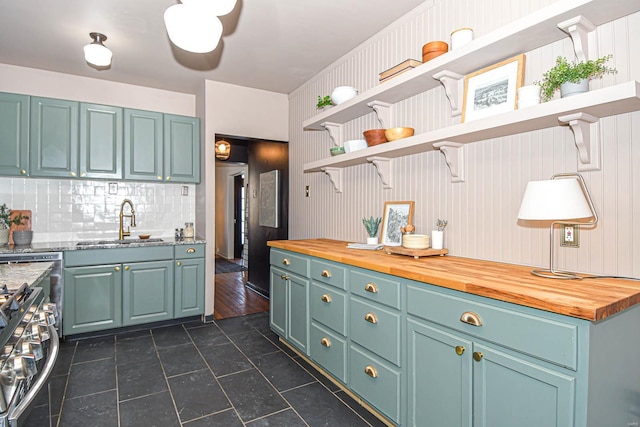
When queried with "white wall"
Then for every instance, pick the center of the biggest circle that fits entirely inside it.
(482, 210)
(225, 174)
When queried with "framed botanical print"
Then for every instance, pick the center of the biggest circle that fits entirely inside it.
(396, 216)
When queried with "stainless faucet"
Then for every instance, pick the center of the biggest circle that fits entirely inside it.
(123, 233)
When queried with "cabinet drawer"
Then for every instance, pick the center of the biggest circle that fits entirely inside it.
(376, 287)
(538, 336)
(329, 350)
(328, 306)
(290, 262)
(189, 251)
(375, 328)
(329, 273)
(375, 381)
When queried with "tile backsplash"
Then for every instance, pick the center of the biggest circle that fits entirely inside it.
(64, 210)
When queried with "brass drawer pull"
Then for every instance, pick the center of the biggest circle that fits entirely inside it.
(326, 273)
(477, 356)
(459, 350)
(286, 261)
(191, 250)
(284, 277)
(325, 342)
(471, 318)
(371, 318)
(371, 371)
(326, 298)
(370, 287)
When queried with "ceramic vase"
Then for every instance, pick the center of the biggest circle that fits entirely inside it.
(570, 89)
(372, 240)
(437, 239)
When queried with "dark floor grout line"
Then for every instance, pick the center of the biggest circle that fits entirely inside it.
(94, 360)
(141, 396)
(90, 394)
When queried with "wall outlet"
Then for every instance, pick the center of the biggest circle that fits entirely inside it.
(185, 190)
(306, 191)
(569, 236)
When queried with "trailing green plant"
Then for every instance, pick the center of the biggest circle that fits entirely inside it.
(5, 217)
(564, 72)
(372, 225)
(323, 102)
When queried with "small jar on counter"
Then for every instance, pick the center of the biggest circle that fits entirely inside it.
(189, 233)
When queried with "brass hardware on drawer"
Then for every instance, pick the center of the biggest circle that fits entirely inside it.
(371, 318)
(286, 261)
(159, 177)
(191, 250)
(326, 273)
(179, 263)
(371, 371)
(72, 173)
(117, 269)
(370, 287)
(477, 356)
(326, 298)
(459, 350)
(126, 267)
(168, 178)
(471, 318)
(23, 172)
(284, 277)
(325, 342)
(83, 174)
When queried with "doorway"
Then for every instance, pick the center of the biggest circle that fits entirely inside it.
(239, 215)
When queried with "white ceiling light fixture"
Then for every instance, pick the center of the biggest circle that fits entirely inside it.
(217, 7)
(192, 29)
(96, 53)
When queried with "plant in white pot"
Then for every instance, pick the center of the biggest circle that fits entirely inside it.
(572, 78)
(372, 225)
(6, 221)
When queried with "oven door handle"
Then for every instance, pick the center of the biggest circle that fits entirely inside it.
(42, 378)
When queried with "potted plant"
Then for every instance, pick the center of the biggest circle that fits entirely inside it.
(372, 225)
(6, 221)
(565, 74)
(323, 102)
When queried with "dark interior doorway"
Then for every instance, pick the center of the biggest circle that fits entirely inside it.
(238, 215)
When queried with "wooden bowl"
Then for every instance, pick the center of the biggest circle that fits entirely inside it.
(144, 236)
(374, 137)
(433, 49)
(394, 134)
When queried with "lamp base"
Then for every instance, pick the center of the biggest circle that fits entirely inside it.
(553, 274)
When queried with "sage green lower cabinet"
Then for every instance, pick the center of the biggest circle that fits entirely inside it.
(147, 289)
(289, 307)
(14, 134)
(189, 287)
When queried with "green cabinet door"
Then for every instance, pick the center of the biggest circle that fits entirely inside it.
(100, 141)
(278, 301)
(189, 287)
(143, 145)
(53, 150)
(147, 289)
(14, 134)
(298, 312)
(439, 375)
(181, 148)
(511, 391)
(92, 298)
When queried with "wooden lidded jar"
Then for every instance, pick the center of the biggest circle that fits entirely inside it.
(434, 49)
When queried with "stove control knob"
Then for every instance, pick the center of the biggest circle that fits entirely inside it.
(43, 331)
(24, 366)
(51, 307)
(45, 318)
(33, 347)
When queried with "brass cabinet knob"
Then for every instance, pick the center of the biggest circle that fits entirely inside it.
(459, 350)
(326, 298)
(286, 261)
(326, 273)
(23, 172)
(72, 173)
(190, 250)
(83, 174)
(371, 371)
(371, 287)
(168, 178)
(284, 277)
(117, 269)
(371, 318)
(471, 318)
(126, 267)
(159, 177)
(325, 342)
(179, 263)
(477, 356)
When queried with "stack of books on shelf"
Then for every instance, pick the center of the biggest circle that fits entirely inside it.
(396, 70)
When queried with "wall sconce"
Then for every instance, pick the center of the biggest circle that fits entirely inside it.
(223, 150)
(557, 200)
(96, 53)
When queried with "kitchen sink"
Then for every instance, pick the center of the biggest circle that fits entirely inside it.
(116, 242)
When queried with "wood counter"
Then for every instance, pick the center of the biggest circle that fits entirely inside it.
(589, 299)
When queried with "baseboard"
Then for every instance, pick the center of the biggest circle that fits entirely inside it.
(258, 290)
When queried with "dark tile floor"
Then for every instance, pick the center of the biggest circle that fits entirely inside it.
(233, 372)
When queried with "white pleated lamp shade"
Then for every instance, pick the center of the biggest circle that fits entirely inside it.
(97, 54)
(217, 7)
(554, 200)
(192, 29)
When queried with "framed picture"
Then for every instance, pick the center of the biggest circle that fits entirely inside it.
(492, 90)
(396, 215)
(268, 213)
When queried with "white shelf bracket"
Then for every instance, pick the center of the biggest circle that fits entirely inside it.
(579, 28)
(383, 168)
(335, 132)
(335, 176)
(454, 156)
(383, 112)
(588, 148)
(453, 87)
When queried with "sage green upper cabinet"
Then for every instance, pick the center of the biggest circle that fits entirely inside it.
(181, 148)
(143, 145)
(100, 141)
(14, 134)
(53, 147)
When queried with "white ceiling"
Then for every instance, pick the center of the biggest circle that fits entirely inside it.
(274, 45)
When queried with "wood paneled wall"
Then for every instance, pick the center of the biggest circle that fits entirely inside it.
(482, 210)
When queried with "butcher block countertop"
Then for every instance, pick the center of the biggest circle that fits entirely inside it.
(589, 299)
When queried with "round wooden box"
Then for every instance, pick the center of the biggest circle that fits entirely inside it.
(433, 49)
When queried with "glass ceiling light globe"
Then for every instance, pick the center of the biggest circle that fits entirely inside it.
(192, 29)
(96, 53)
(218, 7)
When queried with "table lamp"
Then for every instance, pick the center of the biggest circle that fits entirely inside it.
(563, 199)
